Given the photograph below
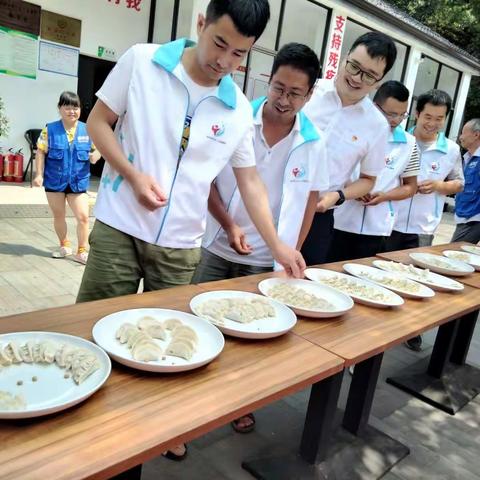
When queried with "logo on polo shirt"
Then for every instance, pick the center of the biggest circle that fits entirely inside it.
(218, 129)
(435, 166)
(299, 174)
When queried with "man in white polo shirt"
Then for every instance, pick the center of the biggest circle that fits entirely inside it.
(180, 120)
(362, 225)
(440, 175)
(356, 132)
(467, 203)
(291, 161)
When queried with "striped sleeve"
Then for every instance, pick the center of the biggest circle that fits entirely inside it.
(413, 167)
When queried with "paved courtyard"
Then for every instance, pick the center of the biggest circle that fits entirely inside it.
(443, 447)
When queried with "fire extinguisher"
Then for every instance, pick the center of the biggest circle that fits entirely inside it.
(8, 166)
(18, 167)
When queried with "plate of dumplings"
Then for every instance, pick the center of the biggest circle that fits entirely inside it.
(244, 314)
(45, 372)
(158, 340)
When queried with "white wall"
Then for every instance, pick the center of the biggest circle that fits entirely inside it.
(32, 103)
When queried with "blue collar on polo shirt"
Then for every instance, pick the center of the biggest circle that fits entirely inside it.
(398, 135)
(441, 144)
(306, 128)
(169, 55)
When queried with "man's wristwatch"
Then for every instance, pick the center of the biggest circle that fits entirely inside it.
(341, 198)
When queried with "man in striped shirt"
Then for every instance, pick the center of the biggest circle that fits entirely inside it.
(362, 225)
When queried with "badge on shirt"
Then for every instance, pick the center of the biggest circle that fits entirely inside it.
(390, 161)
(217, 130)
(434, 167)
(299, 174)
(83, 138)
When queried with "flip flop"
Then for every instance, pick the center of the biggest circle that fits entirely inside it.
(246, 429)
(173, 456)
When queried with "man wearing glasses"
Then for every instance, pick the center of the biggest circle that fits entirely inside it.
(362, 225)
(291, 161)
(356, 132)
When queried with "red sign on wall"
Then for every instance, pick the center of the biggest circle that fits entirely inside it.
(133, 4)
(334, 47)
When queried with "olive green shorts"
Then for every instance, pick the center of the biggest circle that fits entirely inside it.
(117, 262)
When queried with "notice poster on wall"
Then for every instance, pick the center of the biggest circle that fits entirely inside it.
(58, 59)
(18, 53)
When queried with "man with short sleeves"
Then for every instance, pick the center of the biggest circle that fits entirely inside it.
(355, 130)
(180, 120)
(467, 203)
(440, 175)
(362, 225)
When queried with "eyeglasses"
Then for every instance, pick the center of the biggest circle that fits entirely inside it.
(365, 77)
(393, 116)
(279, 91)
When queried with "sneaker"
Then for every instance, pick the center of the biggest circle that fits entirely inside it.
(81, 258)
(414, 343)
(62, 252)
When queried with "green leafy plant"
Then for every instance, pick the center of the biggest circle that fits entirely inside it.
(4, 126)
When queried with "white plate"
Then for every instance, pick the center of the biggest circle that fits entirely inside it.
(283, 321)
(470, 258)
(455, 268)
(51, 392)
(210, 340)
(433, 280)
(471, 249)
(391, 299)
(339, 300)
(376, 276)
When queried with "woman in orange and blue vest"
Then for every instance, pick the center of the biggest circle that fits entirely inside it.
(64, 154)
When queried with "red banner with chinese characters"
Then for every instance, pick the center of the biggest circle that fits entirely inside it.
(332, 60)
(133, 4)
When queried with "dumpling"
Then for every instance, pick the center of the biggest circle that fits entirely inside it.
(26, 351)
(48, 351)
(185, 331)
(12, 351)
(85, 369)
(146, 351)
(172, 323)
(63, 356)
(124, 331)
(135, 337)
(5, 359)
(153, 327)
(180, 348)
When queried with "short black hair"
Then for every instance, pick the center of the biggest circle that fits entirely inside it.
(378, 45)
(250, 17)
(300, 57)
(69, 98)
(435, 97)
(391, 89)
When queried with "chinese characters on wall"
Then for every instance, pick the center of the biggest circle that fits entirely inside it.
(334, 47)
(133, 4)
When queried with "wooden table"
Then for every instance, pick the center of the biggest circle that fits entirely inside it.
(472, 280)
(445, 380)
(360, 337)
(137, 415)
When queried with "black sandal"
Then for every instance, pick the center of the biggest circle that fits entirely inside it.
(173, 456)
(247, 428)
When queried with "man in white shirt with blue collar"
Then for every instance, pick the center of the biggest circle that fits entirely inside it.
(291, 160)
(440, 175)
(467, 203)
(355, 130)
(180, 120)
(362, 225)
